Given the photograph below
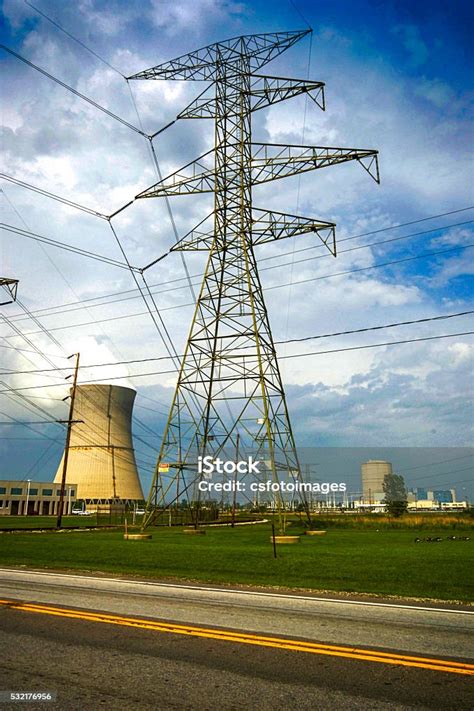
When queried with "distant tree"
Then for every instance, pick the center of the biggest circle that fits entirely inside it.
(396, 501)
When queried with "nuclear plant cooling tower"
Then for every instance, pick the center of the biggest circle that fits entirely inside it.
(101, 458)
(373, 474)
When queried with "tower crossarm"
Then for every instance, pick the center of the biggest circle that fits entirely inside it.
(271, 161)
(197, 239)
(271, 90)
(264, 91)
(11, 287)
(206, 63)
(269, 226)
(198, 176)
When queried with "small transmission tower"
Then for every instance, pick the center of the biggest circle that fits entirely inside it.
(229, 383)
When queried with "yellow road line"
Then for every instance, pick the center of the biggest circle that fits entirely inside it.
(442, 665)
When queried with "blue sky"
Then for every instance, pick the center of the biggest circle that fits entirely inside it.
(398, 78)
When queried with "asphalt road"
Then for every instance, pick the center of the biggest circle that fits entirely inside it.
(92, 664)
(419, 629)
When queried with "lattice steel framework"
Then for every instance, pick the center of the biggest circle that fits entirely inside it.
(229, 385)
(11, 287)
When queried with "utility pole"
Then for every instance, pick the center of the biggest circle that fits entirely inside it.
(234, 498)
(70, 423)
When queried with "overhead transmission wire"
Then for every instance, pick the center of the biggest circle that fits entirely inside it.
(366, 329)
(72, 90)
(63, 245)
(53, 196)
(148, 137)
(30, 315)
(76, 205)
(300, 14)
(35, 465)
(31, 406)
(383, 229)
(456, 471)
(61, 275)
(80, 207)
(444, 461)
(177, 280)
(276, 266)
(276, 286)
(75, 39)
(367, 246)
(17, 421)
(292, 355)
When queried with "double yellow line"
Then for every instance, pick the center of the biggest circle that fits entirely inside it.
(441, 665)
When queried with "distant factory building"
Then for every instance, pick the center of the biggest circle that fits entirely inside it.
(101, 458)
(373, 473)
(439, 496)
(446, 496)
(18, 498)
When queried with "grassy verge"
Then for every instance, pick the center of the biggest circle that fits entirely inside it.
(447, 522)
(386, 562)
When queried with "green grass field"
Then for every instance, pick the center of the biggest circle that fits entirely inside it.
(384, 562)
(46, 521)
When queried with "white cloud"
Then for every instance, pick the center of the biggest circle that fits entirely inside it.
(414, 44)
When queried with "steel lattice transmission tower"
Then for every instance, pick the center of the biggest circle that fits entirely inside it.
(229, 386)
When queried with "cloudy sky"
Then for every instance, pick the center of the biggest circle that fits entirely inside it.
(398, 79)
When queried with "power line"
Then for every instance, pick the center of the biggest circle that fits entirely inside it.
(430, 476)
(53, 196)
(377, 345)
(135, 418)
(374, 266)
(63, 245)
(293, 355)
(33, 422)
(444, 461)
(170, 347)
(179, 279)
(386, 229)
(288, 340)
(72, 90)
(377, 328)
(59, 27)
(276, 286)
(362, 246)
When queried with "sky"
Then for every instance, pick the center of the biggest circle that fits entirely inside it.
(398, 79)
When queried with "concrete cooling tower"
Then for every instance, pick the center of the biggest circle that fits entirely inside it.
(373, 473)
(101, 458)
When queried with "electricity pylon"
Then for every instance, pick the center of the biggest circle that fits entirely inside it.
(11, 286)
(229, 383)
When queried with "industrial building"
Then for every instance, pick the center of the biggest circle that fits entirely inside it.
(18, 498)
(101, 458)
